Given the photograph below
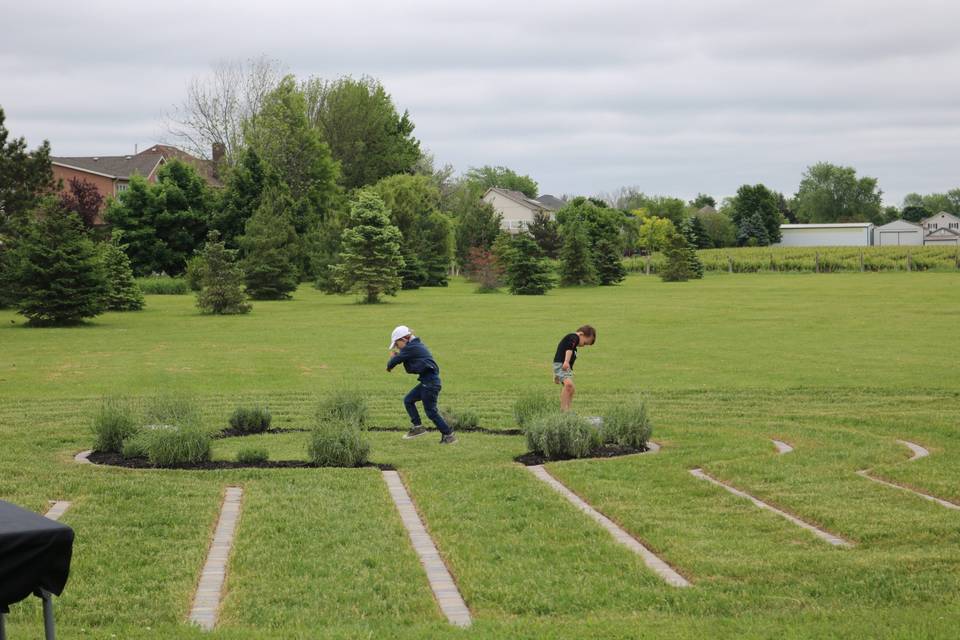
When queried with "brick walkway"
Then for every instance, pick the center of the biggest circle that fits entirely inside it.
(918, 452)
(206, 601)
(820, 533)
(655, 564)
(444, 588)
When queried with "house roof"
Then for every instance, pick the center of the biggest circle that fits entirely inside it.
(707, 209)
(517, 197)
(943, 231)
(832, 225)
(894, 224)
(942, 214)
(206, 168)
(112, 166)
(551, 203)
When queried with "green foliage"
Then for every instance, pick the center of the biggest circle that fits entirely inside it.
(58, 277)
(485, 177)
(323, 245)
(370, 261)
(361, 125)
(915, 213)
(169, 446)
(653, 233)
(241, 197)
(194, 273)
(608, 259)
(114, 422)
(530, 406)
(557, 436)
(756, 207)
(25, 178)
(254, 419)
(524, 272)
(546, 233)
(718, 229)
(122, 291)
(751, 232)
(477, 222)
(464, 420)
(171, 409)
(163, 286)
(934, 203)
(831, 193)
(576, 258)
(437, 248)
(483, 267)
(338, 443)
(135, 446)
(703, 200)
(252, 455)
(627, 424)
(270, 245)
(161, 225)
(221, 290)
(604, 227)
(682, 262)
(672, 209)
(695, 233)
(343, 405)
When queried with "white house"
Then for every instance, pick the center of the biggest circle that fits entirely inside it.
(898, 233)
(942, 229)
(848, 234)
(517, 209)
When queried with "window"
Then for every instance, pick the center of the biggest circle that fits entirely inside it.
(122, 186)
(932, 226)
(954, 225)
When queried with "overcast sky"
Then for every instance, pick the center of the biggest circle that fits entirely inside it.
(675, 97)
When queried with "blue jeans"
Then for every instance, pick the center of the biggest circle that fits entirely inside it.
(427, 392)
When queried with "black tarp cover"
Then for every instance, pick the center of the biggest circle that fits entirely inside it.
(35, 554)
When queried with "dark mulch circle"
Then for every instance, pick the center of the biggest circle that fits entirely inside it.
(492, 432)
(606, 451)
(117, 460)
(230, 432)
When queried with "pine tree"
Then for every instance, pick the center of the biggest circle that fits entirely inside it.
(608, 259)
(123, 292)
(752, 232)
(576, 259)
(681, 260)
(58, 277)
(526, 272)
(546, 233)
(370, 262)
(270, 247)
(222, 282)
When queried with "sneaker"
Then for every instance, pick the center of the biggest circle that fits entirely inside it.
(418, 430)
(448, 439)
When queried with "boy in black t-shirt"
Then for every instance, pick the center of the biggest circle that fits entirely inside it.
(565, 357)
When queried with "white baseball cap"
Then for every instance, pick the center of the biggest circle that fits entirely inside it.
(400, 332)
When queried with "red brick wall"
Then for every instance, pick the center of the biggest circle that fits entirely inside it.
(104, 185)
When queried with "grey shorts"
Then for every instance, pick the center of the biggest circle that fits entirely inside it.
(560, 373)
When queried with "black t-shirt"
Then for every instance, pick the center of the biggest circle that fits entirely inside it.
(570, 342)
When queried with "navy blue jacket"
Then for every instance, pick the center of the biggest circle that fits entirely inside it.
(416, 358)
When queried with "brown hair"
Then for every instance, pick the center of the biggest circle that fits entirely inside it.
(588, 331)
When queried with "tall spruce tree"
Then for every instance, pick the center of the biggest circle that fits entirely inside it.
(682, 261)
(240, 198)
(576, 258)
(221, 290)
(546, 233)
(58, 277)
(608, 259)
(525, 271)
(123, 293)
(270, 246)
(371, 261)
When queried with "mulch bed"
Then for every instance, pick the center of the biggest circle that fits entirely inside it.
(117, 460)
(230, 432)
(606, 451)
(492, 432)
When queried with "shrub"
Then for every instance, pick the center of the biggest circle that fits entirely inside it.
(221, 282)
(135, 446)
(627, 424)
(194, 273)
(338, 443)
(562, 435)
(123, 294)
(115, 422)
(252, 455)
(532, 405)
(461, 420)
(159, 285)
(343, 406)
(167, 447)
(172, 410)
(251, 419)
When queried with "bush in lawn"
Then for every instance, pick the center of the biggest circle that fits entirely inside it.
(167, 447)
(627, 424)
(221, 291)
(115, 422)
(526, 273)
(251, 419)
(252, 455)
(532, 405)
(343, 406)
(171, 410)
(338, 443)
(562, 435)
(194, 273)
(461, 420)
(135, 446)
(122, 294)
(160, 285)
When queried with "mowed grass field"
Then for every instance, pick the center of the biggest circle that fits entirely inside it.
(840, 366)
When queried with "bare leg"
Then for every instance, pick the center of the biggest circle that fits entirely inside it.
(566, 395)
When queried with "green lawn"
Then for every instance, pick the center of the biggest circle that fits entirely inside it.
(839, 365)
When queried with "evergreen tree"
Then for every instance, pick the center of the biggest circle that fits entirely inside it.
(371, 260)
(525, 272)
(58, 277)
(576, 258)
(270, 246)
(477, 222)
(323, 244)
(608, 258)
(694, 232)
(437, 246)
(546, 233)
(241, 197)
(25, 177)
(604, 226)
(222, 283)
(752, 232)
(413, 274)
(682, 260)
(123, 293)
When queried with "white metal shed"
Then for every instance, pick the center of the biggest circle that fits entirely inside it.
(844, 234)
(898, 233)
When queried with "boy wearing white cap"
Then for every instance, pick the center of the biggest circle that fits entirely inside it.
(416, 358)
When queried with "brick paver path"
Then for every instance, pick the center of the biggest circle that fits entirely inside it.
(918, 452)
(657, 565)
(206, 601)
(444, 588)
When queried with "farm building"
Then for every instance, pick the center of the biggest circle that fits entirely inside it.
(848, 234)
(942, 229)
(898, 233)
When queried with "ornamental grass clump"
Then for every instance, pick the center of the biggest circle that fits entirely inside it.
(115, 421)
(559, 436)
(338, 443)
(171, 409)
(343, 406)
(532, 405)
(160, 285)
(252, 455)
(461, 420)
(251, 419)
(627, 424)
(170, 446)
